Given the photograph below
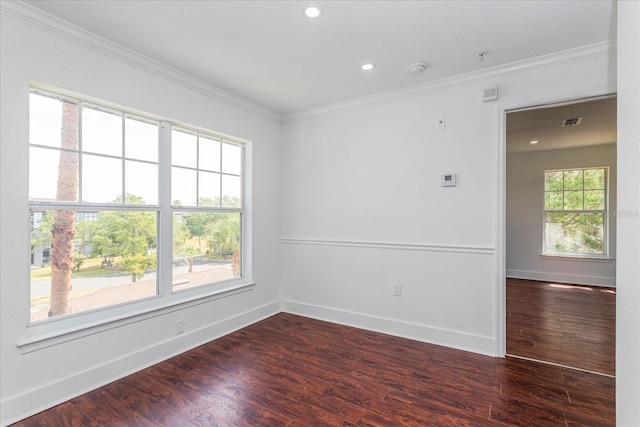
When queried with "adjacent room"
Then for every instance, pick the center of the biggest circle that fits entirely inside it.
(561, 241)
(316, 213)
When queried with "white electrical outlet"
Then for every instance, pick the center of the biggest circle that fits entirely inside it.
(442, 123)
(179, 327)
(397, 290)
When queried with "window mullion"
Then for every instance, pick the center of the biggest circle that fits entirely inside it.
(165, 246)
(198, 169)
(124, 163)
(80, 151)
(583, 190)
(221, 163)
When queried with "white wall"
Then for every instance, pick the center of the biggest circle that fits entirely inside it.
(363, 207)
(525, 205)
(40, 379)
(628, 263)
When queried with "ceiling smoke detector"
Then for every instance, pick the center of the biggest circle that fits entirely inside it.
(417, 68)
(571, 122)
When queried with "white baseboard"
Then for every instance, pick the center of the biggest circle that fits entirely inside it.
(563, 278)
(19, 407)
(453, 339)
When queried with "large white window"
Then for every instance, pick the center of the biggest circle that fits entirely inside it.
(575, 212)
(128, 211)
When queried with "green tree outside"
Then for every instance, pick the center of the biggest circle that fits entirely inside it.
(130, 235)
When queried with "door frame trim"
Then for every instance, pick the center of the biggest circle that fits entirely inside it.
(505, 107)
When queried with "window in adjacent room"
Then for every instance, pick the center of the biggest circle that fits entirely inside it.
(104, 232)
(575, 212)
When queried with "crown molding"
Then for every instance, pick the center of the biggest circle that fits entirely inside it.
(43, 21)
(532, 65)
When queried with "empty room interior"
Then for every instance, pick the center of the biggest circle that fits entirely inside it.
(561, 251)
(319, 213)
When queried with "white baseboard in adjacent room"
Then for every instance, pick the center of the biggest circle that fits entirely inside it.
(576, 279)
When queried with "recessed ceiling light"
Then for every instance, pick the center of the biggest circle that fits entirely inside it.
(313, 12)
(533, 142)
(368, 67)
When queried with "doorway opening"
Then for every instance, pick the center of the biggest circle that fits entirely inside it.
(560, 239)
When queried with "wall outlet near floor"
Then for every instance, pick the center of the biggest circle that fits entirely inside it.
(179, 327)
(397, 290)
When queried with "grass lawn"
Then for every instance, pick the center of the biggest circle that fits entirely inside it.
(91, 267)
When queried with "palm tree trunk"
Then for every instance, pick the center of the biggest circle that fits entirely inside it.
(64, 223)
(235, 262)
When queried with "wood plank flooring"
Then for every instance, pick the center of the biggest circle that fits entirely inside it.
(570, 325)
(289, 370)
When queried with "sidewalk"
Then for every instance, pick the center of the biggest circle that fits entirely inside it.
(92, 299)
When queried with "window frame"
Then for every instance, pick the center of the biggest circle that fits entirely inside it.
(54, 330)
(604, 212)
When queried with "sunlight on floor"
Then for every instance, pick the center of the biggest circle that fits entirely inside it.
(557, 285)
(584, 288)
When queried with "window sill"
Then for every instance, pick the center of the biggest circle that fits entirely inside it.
(587, 258)
(39, 340)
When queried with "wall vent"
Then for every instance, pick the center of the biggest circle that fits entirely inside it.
(490, 94)
(571, 122)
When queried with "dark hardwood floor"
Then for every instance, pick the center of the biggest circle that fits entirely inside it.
(571, 325)
(289, 370)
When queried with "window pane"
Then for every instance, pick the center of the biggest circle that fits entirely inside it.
(231, 159)
(594, 179)
(45, 118)
(141, 140)
(553, 181)
(44, 167)
(580, 233)
(141, 183)
(184, 149)
(553, 200)
(101, 179)
(101, 132)
(209, 187)
(573, 200)
(113, 259)
(183, 187)
(573, 180)
(594, 200)
(209, 154)
(231, 191)
(206, 248)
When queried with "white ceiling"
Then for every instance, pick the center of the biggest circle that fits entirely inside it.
(269, 53)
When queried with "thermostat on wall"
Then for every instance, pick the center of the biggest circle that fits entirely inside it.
(448, 180)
